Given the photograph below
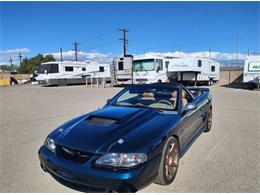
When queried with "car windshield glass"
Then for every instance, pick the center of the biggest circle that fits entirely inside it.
(151, 96)
(143, 65)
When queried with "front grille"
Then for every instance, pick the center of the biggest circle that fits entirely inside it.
(72, 155)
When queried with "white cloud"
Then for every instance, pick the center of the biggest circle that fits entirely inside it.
(214, 55)
(84, 56)
(5, 54)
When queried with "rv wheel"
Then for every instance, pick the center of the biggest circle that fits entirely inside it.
(210, 82)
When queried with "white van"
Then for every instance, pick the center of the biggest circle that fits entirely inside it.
(69, 72)
(251, 73)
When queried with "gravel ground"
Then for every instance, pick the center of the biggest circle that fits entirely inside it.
(225, 160)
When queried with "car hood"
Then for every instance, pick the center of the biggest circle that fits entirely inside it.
(97, 131)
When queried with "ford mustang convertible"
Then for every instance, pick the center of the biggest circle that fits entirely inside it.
(137, 138)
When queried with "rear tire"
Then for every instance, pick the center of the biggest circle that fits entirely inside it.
(169, 163)
(209, 121)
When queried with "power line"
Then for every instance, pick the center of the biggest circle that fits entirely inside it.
(124, 39)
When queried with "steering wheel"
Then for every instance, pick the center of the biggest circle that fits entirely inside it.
(165, 102)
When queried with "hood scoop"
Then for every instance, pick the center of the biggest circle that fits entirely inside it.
(101, 121)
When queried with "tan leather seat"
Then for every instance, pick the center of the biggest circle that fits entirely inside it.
(148, 96)
(184, 99)
(173, 98)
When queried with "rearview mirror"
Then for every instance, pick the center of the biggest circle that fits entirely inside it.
(189, 107)
(157, 69)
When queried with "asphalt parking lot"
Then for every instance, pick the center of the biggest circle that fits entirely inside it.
(227, 159)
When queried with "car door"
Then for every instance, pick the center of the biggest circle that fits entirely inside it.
(191, 120)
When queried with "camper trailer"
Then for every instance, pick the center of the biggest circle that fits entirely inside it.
(167, 69)
(252, 70)
(123, 69)
(69, 72)
(194, 70)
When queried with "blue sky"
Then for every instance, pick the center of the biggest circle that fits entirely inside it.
(43, 27)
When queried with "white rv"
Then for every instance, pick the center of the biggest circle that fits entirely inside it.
(166, 69)
(150, 69)
(195, 70)
(69, 72)
(123, 69)
(252, 70)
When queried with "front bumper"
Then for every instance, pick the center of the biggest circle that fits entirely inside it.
(88, 177)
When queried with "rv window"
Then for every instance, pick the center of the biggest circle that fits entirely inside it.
(212, 68)
(83, 69)
(68, 68)
(50, 68)
(199, 63)
(120, 66)
(101, 68)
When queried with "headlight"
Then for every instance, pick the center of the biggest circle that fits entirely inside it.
(124, 160)
(50, 144)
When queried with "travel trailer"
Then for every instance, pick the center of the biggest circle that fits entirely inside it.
(148, 69)
(69, 72)
(194, 70)
(123, 69)
(252, 70)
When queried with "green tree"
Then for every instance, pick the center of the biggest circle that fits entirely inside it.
(28, 66)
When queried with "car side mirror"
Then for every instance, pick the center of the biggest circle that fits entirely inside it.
(108, 101)
(45, 72)
(189, 107)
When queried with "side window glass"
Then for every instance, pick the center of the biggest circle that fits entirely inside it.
(199, 63)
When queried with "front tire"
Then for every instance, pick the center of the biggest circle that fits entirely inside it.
(169, 163)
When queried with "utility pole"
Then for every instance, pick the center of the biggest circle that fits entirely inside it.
(11, 62)
(76, 45)
(210, 53)
(237, 46)
(61, 59)
(20, 58)
(248, 52)
(124, 39)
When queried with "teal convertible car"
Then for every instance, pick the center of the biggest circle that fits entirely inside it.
(137, 138)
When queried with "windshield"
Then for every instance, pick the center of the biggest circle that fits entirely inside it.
(156, 97)
(51, 68)
(143, 65)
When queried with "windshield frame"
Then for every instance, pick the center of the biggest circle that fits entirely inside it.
(113, 101)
